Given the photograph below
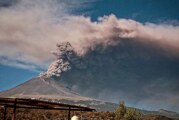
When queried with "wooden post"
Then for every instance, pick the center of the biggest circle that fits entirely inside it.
(69, 113)
(14, 110)
(5, 112)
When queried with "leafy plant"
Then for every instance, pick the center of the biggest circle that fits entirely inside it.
(123, 113)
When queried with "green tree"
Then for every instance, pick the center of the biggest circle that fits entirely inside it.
(123, 113)
(120, 111)
(133, 114)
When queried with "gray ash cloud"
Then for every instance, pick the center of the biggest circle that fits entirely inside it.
(141, 75)
(66, 59)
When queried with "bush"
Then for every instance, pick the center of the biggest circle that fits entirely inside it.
(120, 111)
(133, 114)
(123, 113)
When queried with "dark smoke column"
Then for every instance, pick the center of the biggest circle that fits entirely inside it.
(64, 54)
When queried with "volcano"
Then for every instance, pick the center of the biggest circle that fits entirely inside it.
(49, 90)
(41, 88)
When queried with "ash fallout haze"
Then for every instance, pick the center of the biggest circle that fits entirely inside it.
(105, 49)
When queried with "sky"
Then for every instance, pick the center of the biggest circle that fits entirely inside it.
(127, 66)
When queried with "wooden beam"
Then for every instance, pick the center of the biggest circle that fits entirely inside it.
(45, 108)
(14, 111)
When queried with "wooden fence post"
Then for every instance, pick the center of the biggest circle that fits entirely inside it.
(69, 113)
(14, 110)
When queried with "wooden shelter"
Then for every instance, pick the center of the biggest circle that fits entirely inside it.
(37, 104)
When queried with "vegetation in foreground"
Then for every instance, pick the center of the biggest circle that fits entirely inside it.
(121, 113)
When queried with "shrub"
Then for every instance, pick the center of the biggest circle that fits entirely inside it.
(123, 113)
(120, 111)
(132, 114)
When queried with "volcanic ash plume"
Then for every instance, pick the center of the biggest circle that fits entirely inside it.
(65, 56)
(62, 64)
(111, 31)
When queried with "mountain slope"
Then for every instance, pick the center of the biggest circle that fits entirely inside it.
(50, 90)
(42, 88)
